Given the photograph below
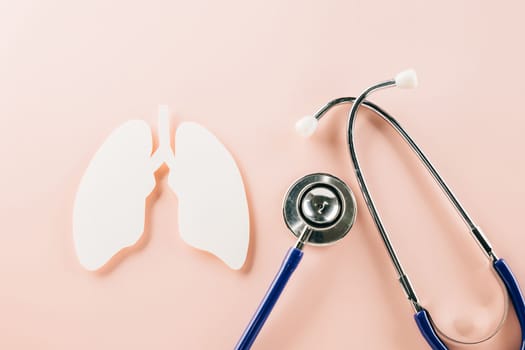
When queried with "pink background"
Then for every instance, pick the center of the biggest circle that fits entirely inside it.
(71, 72)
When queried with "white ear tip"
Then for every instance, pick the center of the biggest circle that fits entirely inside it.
(306, 126)
(406, 79)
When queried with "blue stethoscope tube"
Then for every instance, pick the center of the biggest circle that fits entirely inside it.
(422, 316)
(424, 323)
(290, 263)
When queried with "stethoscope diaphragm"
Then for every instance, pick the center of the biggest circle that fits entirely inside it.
(321, 203)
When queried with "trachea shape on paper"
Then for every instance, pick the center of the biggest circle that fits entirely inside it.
(109, 209)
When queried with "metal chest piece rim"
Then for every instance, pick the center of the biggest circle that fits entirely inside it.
(322, 203)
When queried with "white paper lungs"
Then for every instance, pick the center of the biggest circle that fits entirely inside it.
(213, 212)
(109, 209)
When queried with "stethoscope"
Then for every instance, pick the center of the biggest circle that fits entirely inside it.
(319, 209)
(408, 79)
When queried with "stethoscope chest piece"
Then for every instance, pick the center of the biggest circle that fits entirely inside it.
(321, 203)
(319, 209)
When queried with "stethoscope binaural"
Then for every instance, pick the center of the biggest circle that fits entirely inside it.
(319, 209)
(408, 79)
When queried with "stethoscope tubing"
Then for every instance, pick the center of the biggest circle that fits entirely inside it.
(426, 328)
(422, 316)
(288, 266)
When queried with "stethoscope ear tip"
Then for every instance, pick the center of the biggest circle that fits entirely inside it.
(406, 79)
(306, 126)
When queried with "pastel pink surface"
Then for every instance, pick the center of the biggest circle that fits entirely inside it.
(72, 72)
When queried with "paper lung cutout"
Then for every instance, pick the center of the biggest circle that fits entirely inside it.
(110, 203)
(208, 217)
(109, 208)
